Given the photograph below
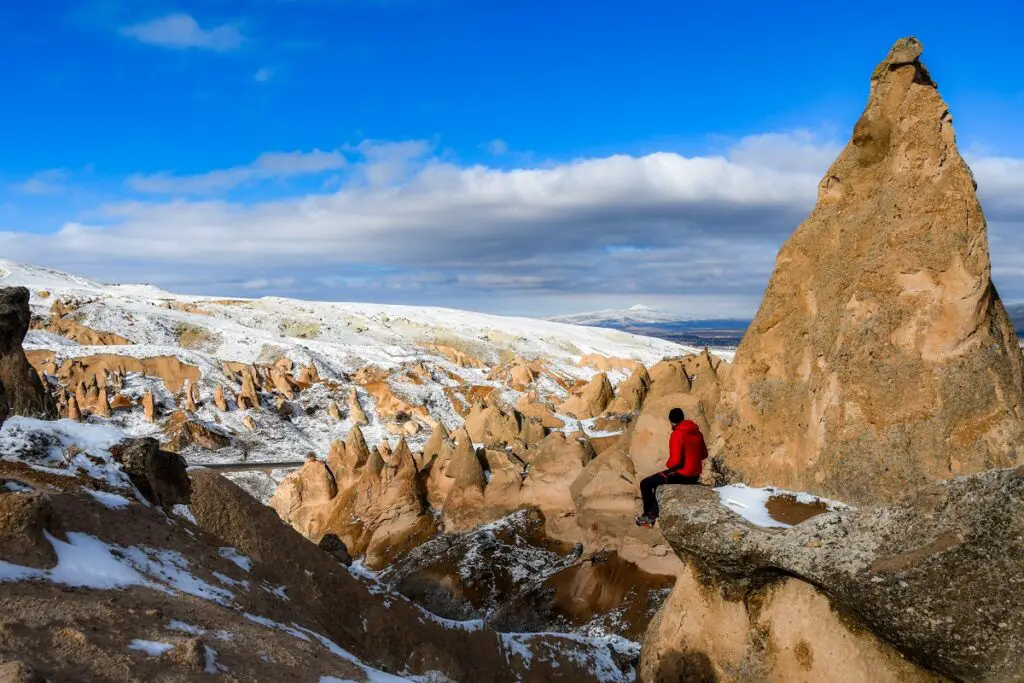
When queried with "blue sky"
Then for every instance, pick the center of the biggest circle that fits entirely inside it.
(463, 153)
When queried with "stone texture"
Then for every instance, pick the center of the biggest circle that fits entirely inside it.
(23, 393)
(936, 575)
(591, 400)
(161, 477)
(785, 631)
(881, 358)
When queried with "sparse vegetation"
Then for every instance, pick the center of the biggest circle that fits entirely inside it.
(197, 338)
(300, 329)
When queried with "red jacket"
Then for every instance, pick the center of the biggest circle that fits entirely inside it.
(686, 449)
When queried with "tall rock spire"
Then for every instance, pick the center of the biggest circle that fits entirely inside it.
(881, 357)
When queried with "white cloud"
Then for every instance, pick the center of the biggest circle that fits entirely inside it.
(268, 283)
(411, 222)
(52, 181)
(263, 75)
(183, 31)
(496, 147)
(267, 165)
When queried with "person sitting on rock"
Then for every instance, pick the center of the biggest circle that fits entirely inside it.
(686, 454)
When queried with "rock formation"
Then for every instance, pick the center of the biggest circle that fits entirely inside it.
(102, 404)
(158, 475)
(631, 393)
(355, 411)
(24, 392)
(332, 410)
(74, 412)
(592, 399)
(149, 406)
(218, 399)
(935, 575)
(881, 358)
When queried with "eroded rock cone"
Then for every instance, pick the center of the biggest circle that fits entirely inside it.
(357, 452)
(332, 410)
(881, 358)
(218, 399)
(355, 411)
(103, 404)
(24, 392)
(74, 412)
(149, 406)
(592, 400)
(631, 393)
(434, 444)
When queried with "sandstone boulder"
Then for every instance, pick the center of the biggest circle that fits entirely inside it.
(881, 358)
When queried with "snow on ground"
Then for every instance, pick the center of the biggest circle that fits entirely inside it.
(751, 503)
(150, 647)
(338, 338)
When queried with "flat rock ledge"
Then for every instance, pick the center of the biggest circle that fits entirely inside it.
(939, 574)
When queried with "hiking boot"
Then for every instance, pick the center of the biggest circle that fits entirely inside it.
(645, 521)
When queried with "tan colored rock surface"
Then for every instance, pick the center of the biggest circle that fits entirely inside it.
(184, 430)
(881, 358)
(460, 358)
(71, 371)
(607, 363)
(355, 411)
(25, 394)
(86, 336)
(301, 497)
(629, 398)
(219, 400)
(102, 404)
(149, 406)
(606, 498)
(74, 412)
(592, 400)
(786, 632)
(332, 410)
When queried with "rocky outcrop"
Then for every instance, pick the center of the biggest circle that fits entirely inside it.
(22, 392)
(784, 631)
(936, 575)
(491, 424)
(158, 475)
(592, 400)
(881, 358)
(631, 394)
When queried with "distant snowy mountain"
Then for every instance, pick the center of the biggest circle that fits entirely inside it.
(681, 328)
(634, 315)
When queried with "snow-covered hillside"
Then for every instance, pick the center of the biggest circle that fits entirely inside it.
(431, 363)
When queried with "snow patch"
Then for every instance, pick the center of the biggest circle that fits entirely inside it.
(150, 647)
(110, 500)
(751, 503)
(238, 558)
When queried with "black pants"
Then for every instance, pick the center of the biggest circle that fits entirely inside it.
(649, 485)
